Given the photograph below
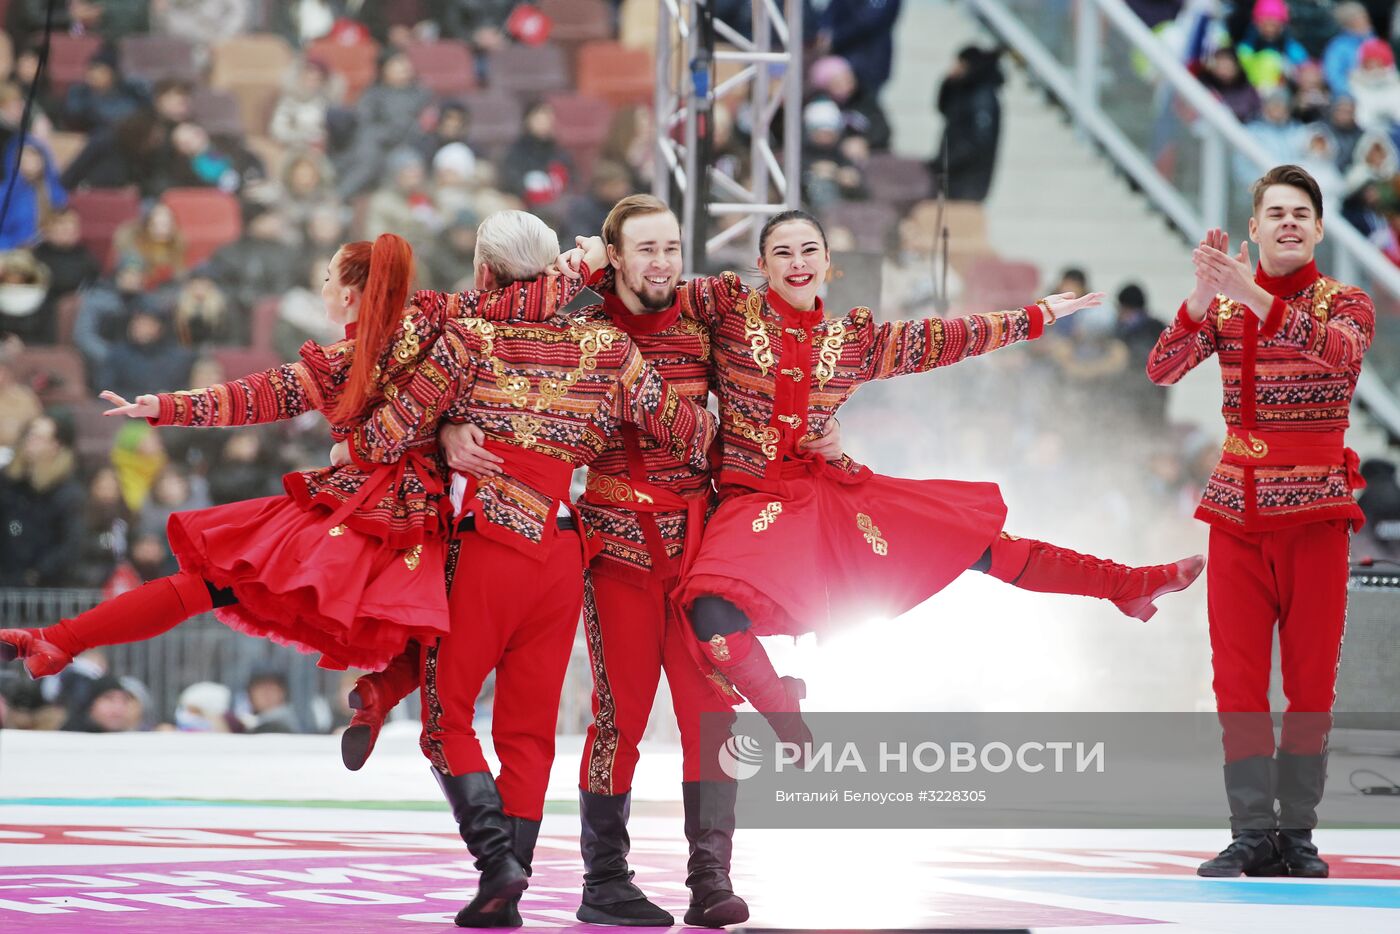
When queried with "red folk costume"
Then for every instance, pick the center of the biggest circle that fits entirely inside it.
(549, 391)
(1280, 502)
(881, 545)
(349, 563)
(644, 509)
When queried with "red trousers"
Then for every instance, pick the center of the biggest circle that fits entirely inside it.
(632, 637)
(517, 616)
(1296, 578)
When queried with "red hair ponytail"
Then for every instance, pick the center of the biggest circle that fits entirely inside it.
(381, 271)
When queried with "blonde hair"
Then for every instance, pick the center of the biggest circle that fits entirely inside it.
(514, 245)
(626, 209)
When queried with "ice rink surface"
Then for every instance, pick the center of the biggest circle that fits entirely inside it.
(179, 832)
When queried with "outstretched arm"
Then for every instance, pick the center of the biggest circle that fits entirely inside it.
(896, 348)
(272, 395)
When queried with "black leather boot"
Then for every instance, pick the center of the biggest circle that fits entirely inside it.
(609, 895)
(1300, 783)
(709, 829)
(1249, 786)
(476, 806)
(524, 833)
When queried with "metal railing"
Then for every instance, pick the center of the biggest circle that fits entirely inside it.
(203, 649)
(1181, 146)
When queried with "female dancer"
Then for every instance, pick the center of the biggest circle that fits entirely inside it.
(348, 563)
(878, 545)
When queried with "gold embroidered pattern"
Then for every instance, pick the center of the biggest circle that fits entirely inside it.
(694, 328)
(412, 557)
(407, 347)
(1236, 445)
(482, 329)
(338, 531)
(615, 490)
(798, 334)
(760, 347)
(767, 516)
(829, 353)
(719, 648)
(1322, 301)
(794, 371)
(792, 421)
(1228, 309)
(723, 683)
(871, 532)
(767, 439)
(526, 430)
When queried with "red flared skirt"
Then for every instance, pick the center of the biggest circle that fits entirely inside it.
(826, 550)
(304, 581)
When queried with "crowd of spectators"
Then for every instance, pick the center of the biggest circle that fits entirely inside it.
(1315, 83)
(334, 154)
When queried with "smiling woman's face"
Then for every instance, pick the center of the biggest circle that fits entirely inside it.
(795, 261)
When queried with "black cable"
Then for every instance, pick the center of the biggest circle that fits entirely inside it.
(1391, 789)
(28, 113)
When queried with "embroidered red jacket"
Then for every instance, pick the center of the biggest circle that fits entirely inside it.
(1288, 383)
(401, 506)
(781, 373)
(642, 501)
(556, 387)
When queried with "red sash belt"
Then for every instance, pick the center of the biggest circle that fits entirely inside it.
(542, 473)
(387, 480)
(1257, 447)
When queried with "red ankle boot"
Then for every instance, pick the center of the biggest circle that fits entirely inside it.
(40, 657)
(740, 656)
(373, 697)
(1052, 569)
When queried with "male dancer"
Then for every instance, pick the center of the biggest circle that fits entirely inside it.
(548, 392)
(1279, 505)
(644, 508)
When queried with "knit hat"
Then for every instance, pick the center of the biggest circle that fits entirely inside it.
(455, 157)
(821, 115)
(1270, 9)
(1376, 52)
(825, 70)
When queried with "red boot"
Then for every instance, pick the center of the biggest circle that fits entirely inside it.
(149, 610)
(740, 656)
(40, 657)
(373, 697)
(1052, 569)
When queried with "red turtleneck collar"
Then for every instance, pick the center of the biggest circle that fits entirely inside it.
(1291, 284)
(350, 328)
(805, 319)
(646, 323)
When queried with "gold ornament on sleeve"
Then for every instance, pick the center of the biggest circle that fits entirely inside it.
(767, 516)
(614, 490)
(719, 648)
(338, 531)
(412, 557)
(871, 532)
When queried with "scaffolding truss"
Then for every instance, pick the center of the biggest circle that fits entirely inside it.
(691, 42)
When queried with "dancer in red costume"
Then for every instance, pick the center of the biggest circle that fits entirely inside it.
(877, 545)
(549, 392)
(647, 509)
(1279, 505)
(349, 563)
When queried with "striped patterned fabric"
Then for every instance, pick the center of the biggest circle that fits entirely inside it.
(1305, 359)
